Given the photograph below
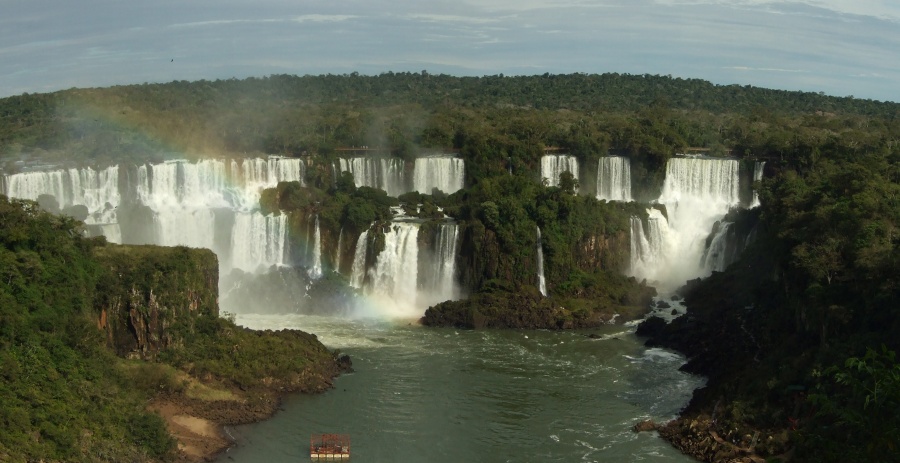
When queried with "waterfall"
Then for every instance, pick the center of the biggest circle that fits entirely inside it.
(542, 283)
(258, 241)
(758, 169)
(337, 251)
(315, 272)
(649, 247)
(720, 252)
(555, 164)
(183, 196)
(404, 280)
(358, 271)
(383, 173)
(251, 176)
(444, 173)
(614, 178)
(447, 240)
(697, 192)
(307, 242)
(334, 175)
(395, 275)
(439, 272)
(211, 203)
(97, 190)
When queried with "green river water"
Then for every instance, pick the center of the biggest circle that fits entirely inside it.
(445, 395)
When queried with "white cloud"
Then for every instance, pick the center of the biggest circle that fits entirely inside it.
(322, 18)
(881, 9)
(224, 22)
(318, 18)
(837, 46)
(749, 68)
(446, 18)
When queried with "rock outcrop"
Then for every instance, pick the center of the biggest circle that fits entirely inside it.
(152, 297)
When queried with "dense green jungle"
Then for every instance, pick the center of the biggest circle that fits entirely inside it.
(91, 332)
(798, 337)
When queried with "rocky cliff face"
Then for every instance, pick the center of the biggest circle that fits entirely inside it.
(152, 297)
(605, 252)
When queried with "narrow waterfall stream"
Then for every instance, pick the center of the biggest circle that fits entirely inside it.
(759, 168)
(337, 251)
(358, 271)
(542, 282)
(315, 270)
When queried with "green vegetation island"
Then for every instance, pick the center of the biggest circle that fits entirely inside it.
(796, 336)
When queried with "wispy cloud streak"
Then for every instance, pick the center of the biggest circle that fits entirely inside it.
(837, 46)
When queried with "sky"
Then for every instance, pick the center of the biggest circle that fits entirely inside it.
(839, 47)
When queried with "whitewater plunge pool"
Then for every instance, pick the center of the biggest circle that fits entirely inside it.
(443, 395)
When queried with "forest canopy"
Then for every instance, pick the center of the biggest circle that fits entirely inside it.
(648, 117)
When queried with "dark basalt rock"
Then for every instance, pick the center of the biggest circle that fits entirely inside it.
(644, 426)
(651, 327)
(345, 364)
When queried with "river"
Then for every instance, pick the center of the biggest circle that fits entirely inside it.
(444, 395)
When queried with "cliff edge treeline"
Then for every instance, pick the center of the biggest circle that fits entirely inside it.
(495, 122)
(69, 305)
(799, 337)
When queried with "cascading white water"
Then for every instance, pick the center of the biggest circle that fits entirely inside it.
(718, 254)
(258, 241)
(387, 174)
(315, 271)
(209, 203)
(358, 271)
(97, 190)
(439, 281)
(405, 280)
(307, 243)
(444, 173)
(614, 178)
(555, 164)
(542, 282)
(395, 275)
(87, 187)
(183, 196)
(697, 192)
(337, 251)
(447, 241)
(251, 176)
(648, 252)
(758, 169)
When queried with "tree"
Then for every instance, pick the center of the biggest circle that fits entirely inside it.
(568, 182)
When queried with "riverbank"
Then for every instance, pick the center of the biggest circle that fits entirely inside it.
(197, 414)
(753, 403)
